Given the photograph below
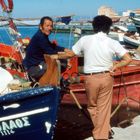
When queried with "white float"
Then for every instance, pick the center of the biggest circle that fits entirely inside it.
(5, 79)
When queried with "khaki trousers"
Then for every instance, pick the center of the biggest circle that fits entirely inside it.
(99, 89)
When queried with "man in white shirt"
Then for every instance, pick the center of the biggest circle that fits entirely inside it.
(99, 50)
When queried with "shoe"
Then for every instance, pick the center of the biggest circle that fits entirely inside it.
(111, 133)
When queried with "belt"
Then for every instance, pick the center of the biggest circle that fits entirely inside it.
(101, 72)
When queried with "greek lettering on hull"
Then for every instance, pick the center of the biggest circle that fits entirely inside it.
(8, 127)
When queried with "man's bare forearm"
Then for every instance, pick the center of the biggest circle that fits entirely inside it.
(126, 60)
(63, 55)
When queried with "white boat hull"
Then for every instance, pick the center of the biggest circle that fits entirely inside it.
(131, 41)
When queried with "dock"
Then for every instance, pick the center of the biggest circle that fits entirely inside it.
(128, 133)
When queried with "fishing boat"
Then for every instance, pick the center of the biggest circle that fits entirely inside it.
(126, 85)
(26, 113)
(118, 31)
(29, 114)
(136, 21)
(132, 39)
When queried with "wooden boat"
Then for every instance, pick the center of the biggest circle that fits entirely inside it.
(29, 114)
(126, 85)
(26, 113)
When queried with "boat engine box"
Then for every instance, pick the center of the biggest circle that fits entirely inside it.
(29, 114)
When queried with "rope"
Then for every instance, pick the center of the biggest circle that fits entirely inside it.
(1, 39)
(55, 32)
(125, 99)
(8, 16)
(70, 36)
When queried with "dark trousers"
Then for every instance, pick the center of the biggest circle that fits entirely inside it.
(36, 72)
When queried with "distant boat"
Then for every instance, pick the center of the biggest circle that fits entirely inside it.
(27, 22)
(136, 21)
(121, 27)
(118, 31)
(133, 40)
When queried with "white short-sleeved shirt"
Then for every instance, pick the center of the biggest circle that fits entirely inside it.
(98, 50)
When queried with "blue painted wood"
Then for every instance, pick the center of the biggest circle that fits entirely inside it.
(28, 114)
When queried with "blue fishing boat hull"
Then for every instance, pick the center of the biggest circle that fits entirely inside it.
(29, 114)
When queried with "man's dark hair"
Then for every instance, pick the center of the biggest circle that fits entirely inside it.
(101, 23)
(42, 20)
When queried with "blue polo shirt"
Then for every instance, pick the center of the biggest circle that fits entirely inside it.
(38, 46)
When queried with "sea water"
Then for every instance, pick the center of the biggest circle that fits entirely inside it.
(64, 39)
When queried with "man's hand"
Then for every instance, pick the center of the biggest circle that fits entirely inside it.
(112, 70)
(54, 56)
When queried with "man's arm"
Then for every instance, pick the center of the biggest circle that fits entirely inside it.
(135, 62)
(126, 59)
(64, 55)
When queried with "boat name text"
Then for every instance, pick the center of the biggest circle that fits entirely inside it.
(8, 127)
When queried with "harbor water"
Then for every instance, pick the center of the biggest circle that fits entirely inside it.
(64, 39)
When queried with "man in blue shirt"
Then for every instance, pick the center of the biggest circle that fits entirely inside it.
(39, 45)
